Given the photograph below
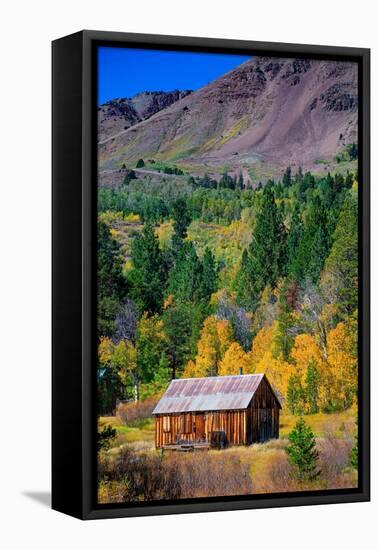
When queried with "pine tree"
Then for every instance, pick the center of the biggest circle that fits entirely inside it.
(302, 452)
(246, 288)
(267, 256)
(283, 340)
(186, 276)
(299, 175)
(182, 219)
(314, 245)
(309, 180)
(287, 177)
(312, 380)
(341, 266)
(295, 395)
(111, 285)
(179, 320)
(240, 181)
(295, 236)
(326, 190)
(105, 437)
(148, 276)
(354, 455)
(209, 276)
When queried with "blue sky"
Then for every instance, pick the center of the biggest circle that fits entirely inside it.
(124, 72)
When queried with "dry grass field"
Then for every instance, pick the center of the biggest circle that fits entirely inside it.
(131, 468)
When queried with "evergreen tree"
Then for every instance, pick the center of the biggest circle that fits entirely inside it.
(341, 266)
(309, 181)
(226, 182)
(302, 452)
(148, 276)
(129, 176)
(209, 275)
(326, 190)
(314, 245)
(295, 395)
(287, 179)
(283, 339)
(186, 276)
(353, 151)
(278, 191)
(312, 380)
(354, 455)
(140, 163)
(182, 219)
(267, 256)
(245, 286)
(182, 324)
(268, 247)
(240, 181)
(295, 236)
(105, 437)
(349, 180)
(111, 285)
(300, 184)
(299, 178)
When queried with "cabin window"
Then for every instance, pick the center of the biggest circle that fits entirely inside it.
(186, 424)
(166, 423)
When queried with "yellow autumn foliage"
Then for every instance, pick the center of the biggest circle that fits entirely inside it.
(337, 369)
(105, 350)
(277, 371)
(263, 342)
(234, 359)
(215, 338)
(305, 350)
(343, 364)
(192, 370)
(120, 357)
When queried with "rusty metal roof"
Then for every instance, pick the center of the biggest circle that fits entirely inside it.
(213, 393)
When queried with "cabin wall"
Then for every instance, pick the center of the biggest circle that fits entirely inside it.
(232, 423)
(263, 415)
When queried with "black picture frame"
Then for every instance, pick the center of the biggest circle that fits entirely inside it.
(74, 172)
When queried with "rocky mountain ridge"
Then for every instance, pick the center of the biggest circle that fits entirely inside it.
(121, 113)
(267, 110)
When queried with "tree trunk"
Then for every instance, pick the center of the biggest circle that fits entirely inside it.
(136, 387)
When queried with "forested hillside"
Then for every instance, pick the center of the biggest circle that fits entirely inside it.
(199, 276)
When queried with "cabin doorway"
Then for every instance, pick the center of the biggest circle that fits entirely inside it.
(265, 425)
(199, 427)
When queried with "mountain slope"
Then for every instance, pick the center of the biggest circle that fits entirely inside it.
(119, 114)
(280, 111)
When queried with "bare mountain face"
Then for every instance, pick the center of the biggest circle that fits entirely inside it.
(119, 114)
(267, 110)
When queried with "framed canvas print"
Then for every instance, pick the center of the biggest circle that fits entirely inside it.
(210, 275)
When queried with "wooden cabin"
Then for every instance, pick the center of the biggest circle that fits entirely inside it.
(233, 410)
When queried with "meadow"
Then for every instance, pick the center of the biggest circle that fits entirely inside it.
(254, 469)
